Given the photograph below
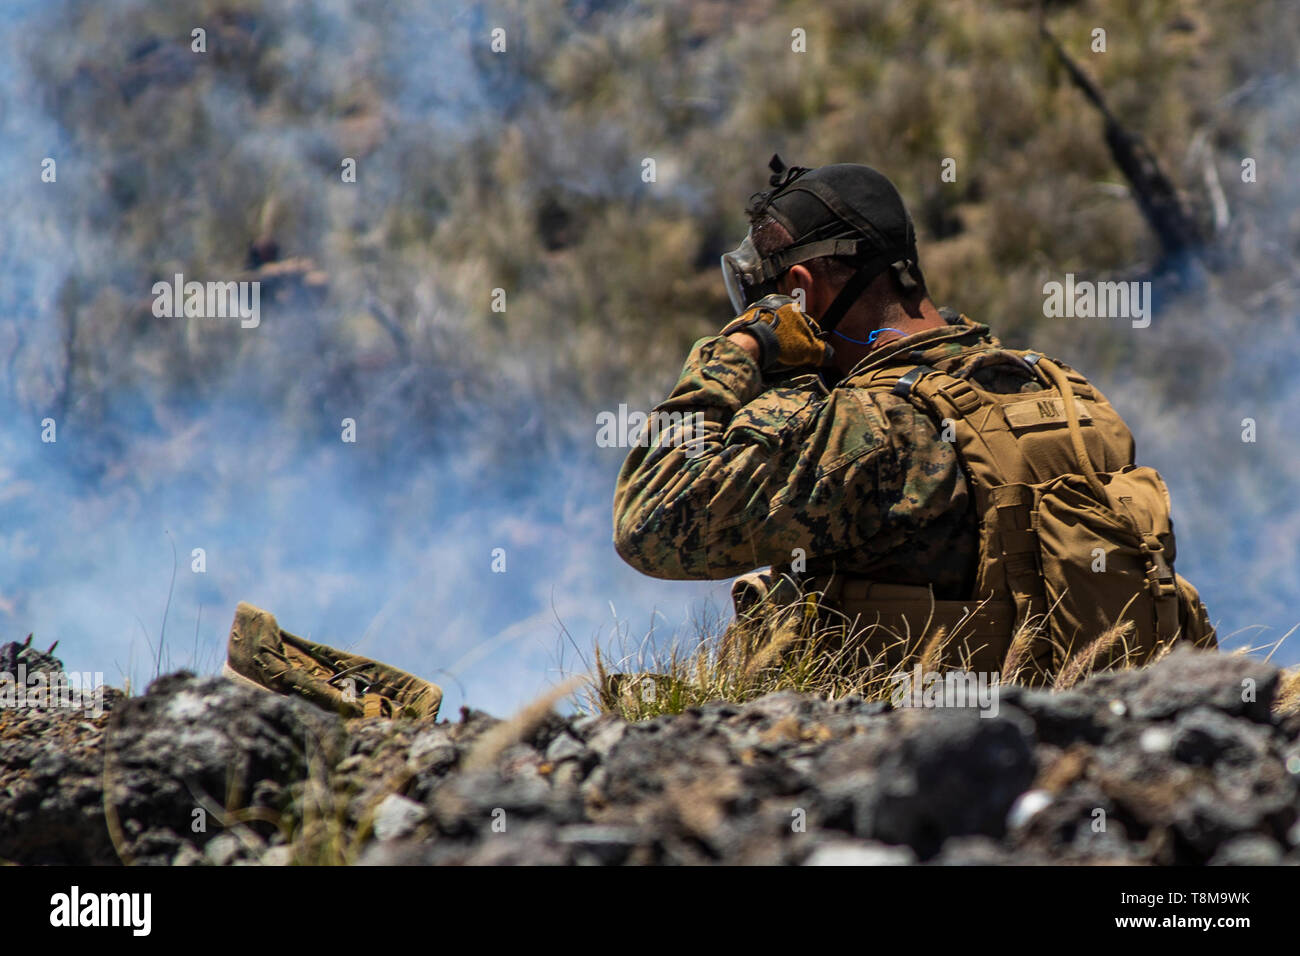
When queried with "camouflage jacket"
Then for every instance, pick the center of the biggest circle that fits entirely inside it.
(860, 481)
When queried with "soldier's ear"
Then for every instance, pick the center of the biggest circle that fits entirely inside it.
(797, 277)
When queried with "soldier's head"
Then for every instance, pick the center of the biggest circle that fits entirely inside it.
(842, 235)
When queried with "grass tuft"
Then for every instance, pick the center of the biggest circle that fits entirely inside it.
(790, 649)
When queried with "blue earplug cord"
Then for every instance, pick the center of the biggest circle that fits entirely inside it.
(871, 339)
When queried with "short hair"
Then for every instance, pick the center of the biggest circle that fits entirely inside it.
(770, 237)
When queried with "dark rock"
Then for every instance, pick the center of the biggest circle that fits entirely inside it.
(1233, 683)
(1170, 765)
(950, 773)
(1080, 825)
(190, 749)
(1205, 737)
(14, 653)
(1064, 718)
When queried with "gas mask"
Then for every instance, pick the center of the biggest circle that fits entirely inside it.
(744, 276)
(748, 276)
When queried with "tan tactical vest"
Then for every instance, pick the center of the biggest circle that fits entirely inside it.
(1073, 537)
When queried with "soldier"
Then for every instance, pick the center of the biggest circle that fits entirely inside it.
(895, 460)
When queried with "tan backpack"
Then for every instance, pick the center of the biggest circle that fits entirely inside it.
(1074, 538)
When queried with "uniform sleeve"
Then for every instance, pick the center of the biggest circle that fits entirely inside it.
(734, 477)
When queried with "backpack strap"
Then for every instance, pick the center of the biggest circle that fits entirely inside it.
(1058, 379)
(1008, 571)
(1038, 464)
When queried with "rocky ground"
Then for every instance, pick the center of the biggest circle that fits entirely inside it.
(1181, 763)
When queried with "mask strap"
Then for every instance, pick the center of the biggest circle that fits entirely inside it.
(850, 294)
(853, 289)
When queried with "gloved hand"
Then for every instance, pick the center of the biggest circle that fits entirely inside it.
(787, 336)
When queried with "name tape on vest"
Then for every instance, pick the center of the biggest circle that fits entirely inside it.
(1042, 411)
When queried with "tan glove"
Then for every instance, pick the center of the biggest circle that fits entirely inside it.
(787, 336)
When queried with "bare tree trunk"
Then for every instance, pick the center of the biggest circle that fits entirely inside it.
(1166, 212)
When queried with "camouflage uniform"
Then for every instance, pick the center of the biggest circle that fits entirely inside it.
(861, 481)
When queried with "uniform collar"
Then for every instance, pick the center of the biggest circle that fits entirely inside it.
(961, 329)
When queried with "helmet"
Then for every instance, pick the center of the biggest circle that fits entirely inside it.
(844, 210)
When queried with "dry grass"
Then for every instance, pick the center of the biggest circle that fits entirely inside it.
(790, 649)
(510, 732)
(1288, 692)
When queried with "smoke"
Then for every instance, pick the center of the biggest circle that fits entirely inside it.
(1211, 390)
(474, 431)
(465, 535)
